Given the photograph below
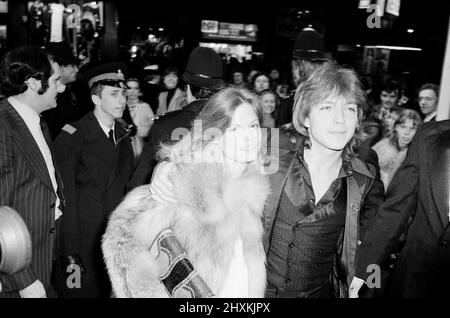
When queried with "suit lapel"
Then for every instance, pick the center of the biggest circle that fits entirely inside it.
(438, 161)
(28, 146)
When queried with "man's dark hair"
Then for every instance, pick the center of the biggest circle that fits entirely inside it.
(431, 86)
(61, 53)
(21, 64)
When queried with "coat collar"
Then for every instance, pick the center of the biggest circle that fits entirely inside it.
(355, 166)
(94, 131)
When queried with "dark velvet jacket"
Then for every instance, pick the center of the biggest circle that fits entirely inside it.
(364, 193)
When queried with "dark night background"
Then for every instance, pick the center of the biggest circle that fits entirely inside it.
(341, 22)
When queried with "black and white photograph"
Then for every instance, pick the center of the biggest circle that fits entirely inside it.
(235, 152)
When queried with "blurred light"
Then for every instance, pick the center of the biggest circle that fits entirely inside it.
(307, 11)
(161, 29)
(400, 48)
(358, 45)
(138, 28)
(410, 31)
(134, 49)
(96, 35)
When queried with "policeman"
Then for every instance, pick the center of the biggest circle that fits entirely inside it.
(96, 160)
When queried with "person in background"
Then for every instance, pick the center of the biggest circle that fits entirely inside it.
(283, 91)
(274, 76)
(141, 114)
(237, 78)
(260, 82)
(75, 101)
(392, 149)
(308, 55)
(428, 101)
(389, 96)
(269, 103)
(173, 98)
(250, 76)
(151, 86)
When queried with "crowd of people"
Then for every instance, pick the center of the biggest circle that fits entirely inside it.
(186, 184)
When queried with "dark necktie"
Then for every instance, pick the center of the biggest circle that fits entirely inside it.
(111, 137)
(48, 139)
(46, 134)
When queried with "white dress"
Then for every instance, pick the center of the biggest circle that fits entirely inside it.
(236, 281)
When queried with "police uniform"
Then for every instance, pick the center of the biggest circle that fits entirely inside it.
(95, 171)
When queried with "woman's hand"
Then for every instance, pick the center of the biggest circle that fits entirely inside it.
(161, 188)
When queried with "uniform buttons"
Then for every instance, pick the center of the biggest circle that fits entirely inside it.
(315, 266)
(291, 245)
(52, 230)
(289, 264)
(443, 244)
(358, 242)
(324, 235)
(52, 206)
(320, 251)
(288, 280)
(295, 228)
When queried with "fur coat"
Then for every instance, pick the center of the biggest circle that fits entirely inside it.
(389, 158)
(213, 210)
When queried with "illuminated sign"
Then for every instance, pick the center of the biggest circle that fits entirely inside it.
(216, 30)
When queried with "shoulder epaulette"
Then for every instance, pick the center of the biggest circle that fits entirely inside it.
(69, 129)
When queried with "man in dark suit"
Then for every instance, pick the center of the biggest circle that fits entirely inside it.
(29, 182)
(418, 196)
(204, 76)
(75, 101)
(96, 161)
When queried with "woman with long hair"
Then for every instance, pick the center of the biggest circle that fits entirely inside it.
(140, 114)
(392, 150)
(214, 229)
(172, 98)
(269, 103)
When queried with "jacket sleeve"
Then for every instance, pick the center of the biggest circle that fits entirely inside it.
(66, 160)
(374, 198)
(24, 278)
(401, 203)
